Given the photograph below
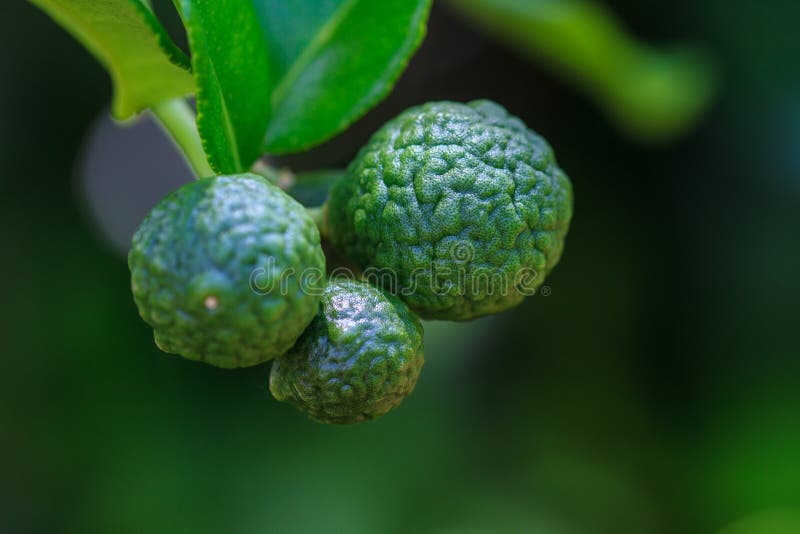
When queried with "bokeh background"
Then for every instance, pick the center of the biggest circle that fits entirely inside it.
(655, 389)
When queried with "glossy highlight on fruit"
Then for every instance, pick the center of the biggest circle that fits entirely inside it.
(227, 270)
(359, 358)
(460, 209)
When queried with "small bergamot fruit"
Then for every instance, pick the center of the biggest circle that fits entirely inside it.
(460, 208)
(227, 270)
(359, 358)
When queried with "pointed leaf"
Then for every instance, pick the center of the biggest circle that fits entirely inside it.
(145, 65)
(233, 77)
(334, 60)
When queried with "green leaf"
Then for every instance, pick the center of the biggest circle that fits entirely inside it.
(284, 75)
(145, 65)
(653, 95)
(234, 80)
(333, 60)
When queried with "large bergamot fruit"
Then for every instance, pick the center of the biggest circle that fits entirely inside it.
(359, 358)
(227, 270)
(458, 207)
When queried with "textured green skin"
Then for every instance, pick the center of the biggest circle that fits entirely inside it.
(449, 192)
(206, 240)
(359, 358)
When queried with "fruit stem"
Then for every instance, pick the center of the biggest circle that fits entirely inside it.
(318, 216)
(178, 120)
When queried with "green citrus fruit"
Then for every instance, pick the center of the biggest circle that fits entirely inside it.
(459, 207)
(359, 358)
(227, 270)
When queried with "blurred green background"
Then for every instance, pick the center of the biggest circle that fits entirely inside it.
(656, 389)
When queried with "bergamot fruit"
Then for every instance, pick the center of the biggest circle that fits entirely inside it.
(459, 208)
(227, 270)
(359, 358)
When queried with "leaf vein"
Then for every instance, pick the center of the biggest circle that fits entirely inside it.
(316, 44)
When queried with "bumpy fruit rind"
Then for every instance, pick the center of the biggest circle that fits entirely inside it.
(227, 270)
(359, 358)
(461, 207)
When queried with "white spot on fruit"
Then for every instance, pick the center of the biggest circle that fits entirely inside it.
(211, 303)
